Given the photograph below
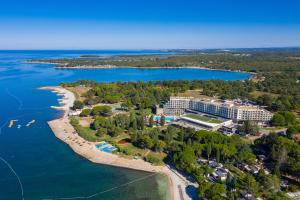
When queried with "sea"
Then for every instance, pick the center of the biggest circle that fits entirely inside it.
(34, 164)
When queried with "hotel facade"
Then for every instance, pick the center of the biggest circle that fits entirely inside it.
(227, 109)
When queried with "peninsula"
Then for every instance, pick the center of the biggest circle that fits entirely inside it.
(139, 125)
(226, 136)
(64, 131)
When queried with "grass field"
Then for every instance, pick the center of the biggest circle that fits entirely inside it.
(79, 92)
(128, 150)
(259, 93)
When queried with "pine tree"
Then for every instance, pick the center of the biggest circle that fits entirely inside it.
(162, 120)
(208, 150)
(218, 155)
(151, 122)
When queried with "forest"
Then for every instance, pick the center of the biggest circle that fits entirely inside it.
(274, 85)
(183, 147)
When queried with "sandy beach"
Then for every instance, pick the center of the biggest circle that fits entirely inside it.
(65, 132)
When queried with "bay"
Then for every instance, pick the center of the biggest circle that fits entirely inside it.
(36, 165)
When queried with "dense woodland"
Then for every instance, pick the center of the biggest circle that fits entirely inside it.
(276, 87)
(252, 62)
(184, 146)
(146, 94)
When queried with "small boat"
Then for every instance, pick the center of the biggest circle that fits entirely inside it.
(19, 126)
(32, 121)
(29, 123)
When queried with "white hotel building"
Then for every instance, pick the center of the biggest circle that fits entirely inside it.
(227, 109)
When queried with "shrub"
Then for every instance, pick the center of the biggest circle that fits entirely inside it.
(85, 113)
(77, 105)
(154, 160)
(104, 111)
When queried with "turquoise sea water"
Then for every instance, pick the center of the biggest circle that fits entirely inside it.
(36, 165)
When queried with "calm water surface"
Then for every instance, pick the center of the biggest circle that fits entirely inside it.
(46, 167)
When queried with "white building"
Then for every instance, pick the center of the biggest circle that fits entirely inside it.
(228, 109)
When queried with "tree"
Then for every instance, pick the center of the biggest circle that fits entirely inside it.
(186, 158)
(270, 183)
(291, 131)
(140, 122)
(284, 152)
(133, 136)
(280, 196)
(290, 118)
(148, 141)
(151, 121)
(101, 132)
(207, 170)
(265, 100)
(249, 127)
(85, 112)
(104, 111)
(169, 135)
(284, 118)
(162, 120)
(77, 105)
(126, 105)
(134, 124)
(159, 145)
(278, 120)
(208, 150)
(101, 122)
(246, 155)
(115, 131)
(250, 184)
(218, 155)
(210, 190)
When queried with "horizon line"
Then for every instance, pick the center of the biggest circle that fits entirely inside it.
(149, 49)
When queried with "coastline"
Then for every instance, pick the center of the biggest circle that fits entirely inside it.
(63, 66)
(252, 75)
(64, 131)
(114, 66)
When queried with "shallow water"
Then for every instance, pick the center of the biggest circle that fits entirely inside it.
(46, 167)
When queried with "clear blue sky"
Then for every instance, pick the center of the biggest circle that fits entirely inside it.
(148, 24)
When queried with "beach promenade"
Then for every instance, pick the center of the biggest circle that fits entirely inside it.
(64, 131)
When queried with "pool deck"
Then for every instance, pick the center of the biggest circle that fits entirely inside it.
(63, 130)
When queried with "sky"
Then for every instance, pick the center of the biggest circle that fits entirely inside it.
(148, 24)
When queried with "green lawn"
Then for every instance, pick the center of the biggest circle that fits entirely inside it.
(86, 132)
(129, 151)
(205, 119)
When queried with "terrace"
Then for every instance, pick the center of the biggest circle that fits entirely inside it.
(200, 121)
(205, 118)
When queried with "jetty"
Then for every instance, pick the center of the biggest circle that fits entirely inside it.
(11, 123)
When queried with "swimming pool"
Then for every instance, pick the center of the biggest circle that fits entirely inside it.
(109, 149)
(105, 147)
(167, 118)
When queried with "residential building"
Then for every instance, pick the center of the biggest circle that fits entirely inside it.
(235, 110)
